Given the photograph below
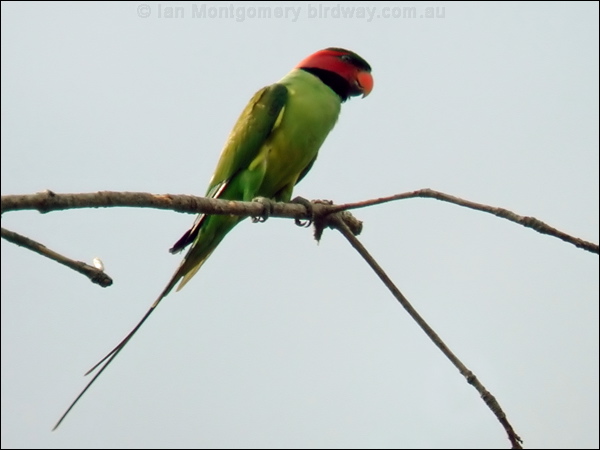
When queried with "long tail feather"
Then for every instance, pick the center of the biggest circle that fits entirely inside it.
(191, 263)
(115, 351)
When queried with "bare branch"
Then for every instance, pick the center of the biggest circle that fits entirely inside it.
(95, 275)
(339, 223)
(49, 201)
(526, 221)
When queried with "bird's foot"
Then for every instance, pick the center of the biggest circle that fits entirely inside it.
(267, 209)
(309, 210)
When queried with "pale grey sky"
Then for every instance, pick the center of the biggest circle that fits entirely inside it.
(278, 342)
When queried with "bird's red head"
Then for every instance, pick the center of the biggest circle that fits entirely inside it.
(344, 71)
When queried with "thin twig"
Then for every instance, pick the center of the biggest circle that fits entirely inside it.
(339, 223)
(526, 221)
(95, 275)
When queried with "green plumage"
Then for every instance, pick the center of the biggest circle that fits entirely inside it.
(271, 147)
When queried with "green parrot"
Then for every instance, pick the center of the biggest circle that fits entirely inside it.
(272, 146)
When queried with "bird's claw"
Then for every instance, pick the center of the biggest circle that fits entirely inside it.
(267, 209)
(309, 209)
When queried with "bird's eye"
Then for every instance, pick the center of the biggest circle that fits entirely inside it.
(346, 58)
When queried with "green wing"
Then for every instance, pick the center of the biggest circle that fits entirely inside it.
(251, 130)
(249, 134)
